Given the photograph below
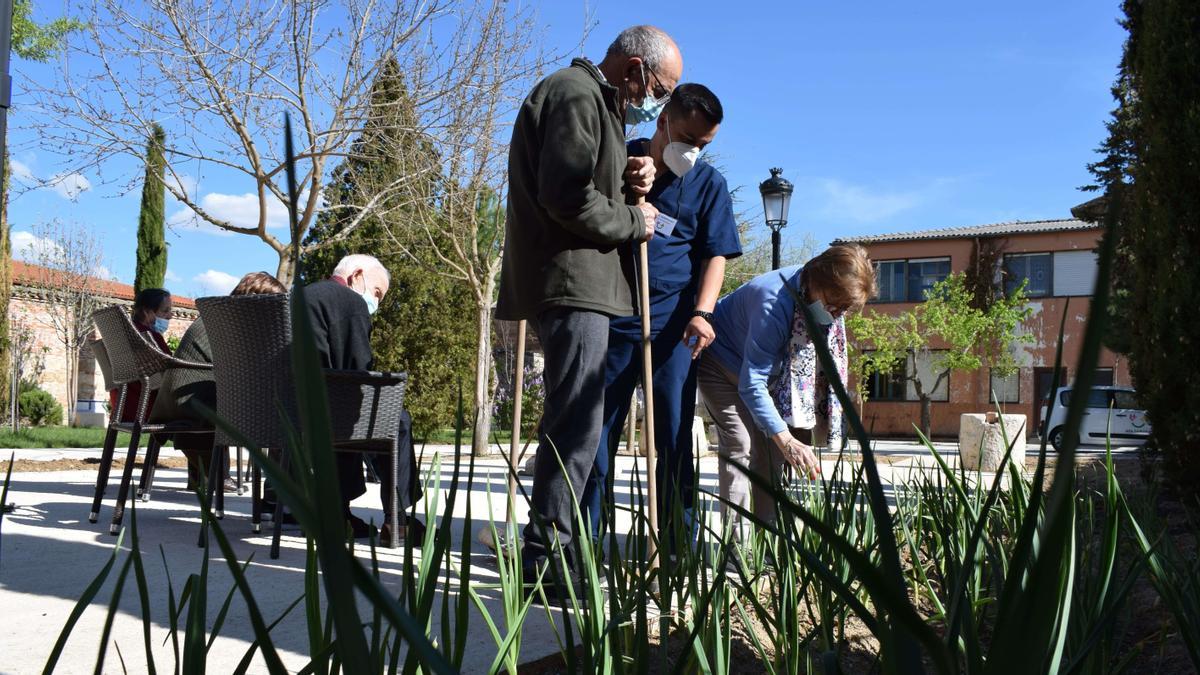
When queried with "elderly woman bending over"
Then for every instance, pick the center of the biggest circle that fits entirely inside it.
(761, 378)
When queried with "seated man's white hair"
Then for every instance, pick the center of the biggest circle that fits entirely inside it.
(360, 261)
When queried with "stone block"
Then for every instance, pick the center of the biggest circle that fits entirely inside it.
(91, 419)
(981, 441)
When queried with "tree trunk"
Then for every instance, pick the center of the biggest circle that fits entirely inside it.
(482, 424)
(927, 416)
(72, 383)
(285, 270)
(6, 354)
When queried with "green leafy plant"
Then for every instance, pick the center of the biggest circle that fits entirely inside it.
(966, 337)
(40, 408)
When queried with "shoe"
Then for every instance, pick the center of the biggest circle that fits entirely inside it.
(358, 526)
(530, 572)
(412, 528)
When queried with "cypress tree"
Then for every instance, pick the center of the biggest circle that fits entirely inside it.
(419, 327)
(151, 240)
(1149, 173)
(1165, 230)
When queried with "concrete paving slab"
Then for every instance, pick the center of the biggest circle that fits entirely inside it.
(49, 553)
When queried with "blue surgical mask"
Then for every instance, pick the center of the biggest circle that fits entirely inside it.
(160, 325)
(649, 109)
(372, 302)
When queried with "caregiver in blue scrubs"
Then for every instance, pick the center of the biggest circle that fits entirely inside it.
(695, 235)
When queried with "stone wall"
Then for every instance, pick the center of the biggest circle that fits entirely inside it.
(26, 310)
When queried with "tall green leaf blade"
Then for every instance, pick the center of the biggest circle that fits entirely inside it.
(1027, 633)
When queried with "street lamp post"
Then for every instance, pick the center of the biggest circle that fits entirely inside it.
(777, 197)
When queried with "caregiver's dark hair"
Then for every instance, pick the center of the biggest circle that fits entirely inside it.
(691, 98)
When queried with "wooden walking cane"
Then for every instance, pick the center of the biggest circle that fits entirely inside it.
(648, 393)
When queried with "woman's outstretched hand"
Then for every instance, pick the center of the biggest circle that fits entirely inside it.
(798, 454)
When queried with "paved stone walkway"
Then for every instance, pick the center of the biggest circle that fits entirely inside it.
(49, 553)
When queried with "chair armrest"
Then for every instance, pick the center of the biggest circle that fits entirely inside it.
(191, 365)
(361, 377)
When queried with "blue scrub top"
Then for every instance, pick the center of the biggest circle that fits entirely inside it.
(704, 228)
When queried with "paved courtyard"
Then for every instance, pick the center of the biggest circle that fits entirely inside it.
(49, 553)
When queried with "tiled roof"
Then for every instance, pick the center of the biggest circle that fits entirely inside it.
(26, 274)
(994, 230)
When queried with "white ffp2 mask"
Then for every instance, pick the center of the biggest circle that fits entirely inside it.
(680, 158)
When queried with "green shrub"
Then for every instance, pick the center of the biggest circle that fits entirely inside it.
(40, 408)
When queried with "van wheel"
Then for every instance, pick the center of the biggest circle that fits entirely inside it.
(1056, 439)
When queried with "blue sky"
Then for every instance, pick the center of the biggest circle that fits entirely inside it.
(886, 117)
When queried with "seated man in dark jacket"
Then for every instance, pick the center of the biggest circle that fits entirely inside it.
(340, 309)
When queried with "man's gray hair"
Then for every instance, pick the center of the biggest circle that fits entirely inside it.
(648, 42)
(360, 261)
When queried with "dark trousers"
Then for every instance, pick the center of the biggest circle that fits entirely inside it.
(407, 488)
(575, 343)
(674, 408)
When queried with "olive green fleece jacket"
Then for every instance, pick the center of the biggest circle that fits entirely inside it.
(568, 230)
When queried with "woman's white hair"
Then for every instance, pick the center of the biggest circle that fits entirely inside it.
(648, 42)
(360, 261)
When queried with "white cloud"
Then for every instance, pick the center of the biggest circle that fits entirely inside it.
(171, 275)
(69, 184)
(863, 205)
(29, 247)
(21, 171)
(214, 282)
(102, 272)
(237, 210)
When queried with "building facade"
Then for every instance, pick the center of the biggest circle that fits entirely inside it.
(46, 355)
(1058, 260)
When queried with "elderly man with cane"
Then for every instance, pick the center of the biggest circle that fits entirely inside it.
(567, 259)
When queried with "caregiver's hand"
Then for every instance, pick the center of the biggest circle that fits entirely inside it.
(798, 454)
(698, 334)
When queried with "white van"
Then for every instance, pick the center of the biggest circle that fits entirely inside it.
(1105, 405)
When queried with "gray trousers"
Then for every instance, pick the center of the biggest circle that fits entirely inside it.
(575, 343)
(740, 440)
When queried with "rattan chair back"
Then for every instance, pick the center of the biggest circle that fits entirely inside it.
(131, 356)
(251, 338)
(101, 355)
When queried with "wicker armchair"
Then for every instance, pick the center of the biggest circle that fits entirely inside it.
(251, 340)
(130, 358)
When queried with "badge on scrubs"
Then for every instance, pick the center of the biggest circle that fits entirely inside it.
(664, 225)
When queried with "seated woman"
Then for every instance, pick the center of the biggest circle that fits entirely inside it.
(151, 316)
(182, 386)
(760, 378)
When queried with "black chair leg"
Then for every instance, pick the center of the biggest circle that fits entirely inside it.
(216, 480)
(255, 499)
(277, 523)
(206, 504)
(240, 489)
(126, 479)
(393, 503)
(106, 458)
(149, 464)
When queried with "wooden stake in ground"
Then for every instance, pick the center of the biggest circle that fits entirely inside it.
(484, 535)
(518, 396)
